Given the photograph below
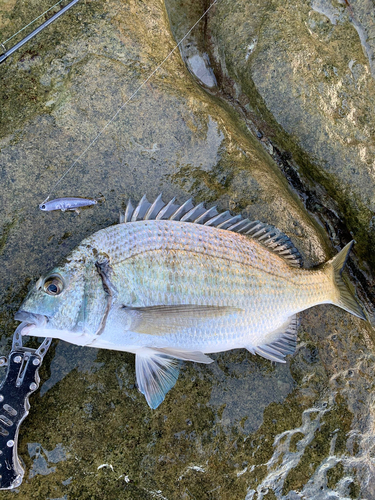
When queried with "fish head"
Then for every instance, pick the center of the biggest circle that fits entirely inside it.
(56, 299)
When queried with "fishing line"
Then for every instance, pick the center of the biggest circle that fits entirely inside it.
(126, 102)
(32, 22)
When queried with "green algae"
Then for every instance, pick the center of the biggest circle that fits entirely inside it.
(7, 227)
(334, 475)
(181, 445)
(338, 424)
(26, 90)
(294, 441)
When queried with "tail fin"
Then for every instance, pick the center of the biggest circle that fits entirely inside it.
(346, 299)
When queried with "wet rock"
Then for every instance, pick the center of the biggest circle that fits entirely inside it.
(206, 439)
(199, 65)
(303, 74)
(192, 41)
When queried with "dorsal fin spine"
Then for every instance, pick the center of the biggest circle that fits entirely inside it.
(230, 221)
(185, 207)
(128, 212)
(246, 228)
(217, 217)
(164, 210)
(192, 212)
(155, 207)
(236, 227)
(200, 219)
(139, 208)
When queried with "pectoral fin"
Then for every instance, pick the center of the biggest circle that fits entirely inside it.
(157, 320)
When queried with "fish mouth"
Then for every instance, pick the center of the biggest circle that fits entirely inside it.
(31, 318)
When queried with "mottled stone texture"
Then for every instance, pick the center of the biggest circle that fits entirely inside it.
(271, 79)
(303, 73)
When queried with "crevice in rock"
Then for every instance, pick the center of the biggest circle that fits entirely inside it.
(318, 202)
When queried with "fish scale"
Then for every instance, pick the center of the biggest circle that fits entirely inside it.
(182, 282)
(218, 247)
(238, 273)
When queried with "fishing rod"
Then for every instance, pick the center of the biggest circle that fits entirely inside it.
(9, 52)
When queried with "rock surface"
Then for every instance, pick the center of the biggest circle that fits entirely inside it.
(240, 428)
(303, 74)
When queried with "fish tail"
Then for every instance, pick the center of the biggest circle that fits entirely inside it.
(346, 299)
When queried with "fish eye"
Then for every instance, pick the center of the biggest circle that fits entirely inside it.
(43, 207)
(53, 285)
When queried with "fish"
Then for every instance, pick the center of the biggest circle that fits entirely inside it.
(65, 204)
(177, 282)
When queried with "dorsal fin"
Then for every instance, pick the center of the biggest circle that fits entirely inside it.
(267, 235)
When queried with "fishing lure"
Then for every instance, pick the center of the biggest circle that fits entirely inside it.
(65, 204)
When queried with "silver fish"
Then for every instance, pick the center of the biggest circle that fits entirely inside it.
(177, 282)
(64, 204)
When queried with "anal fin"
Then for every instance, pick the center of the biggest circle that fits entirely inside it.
(270, 354)
(284, 344)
